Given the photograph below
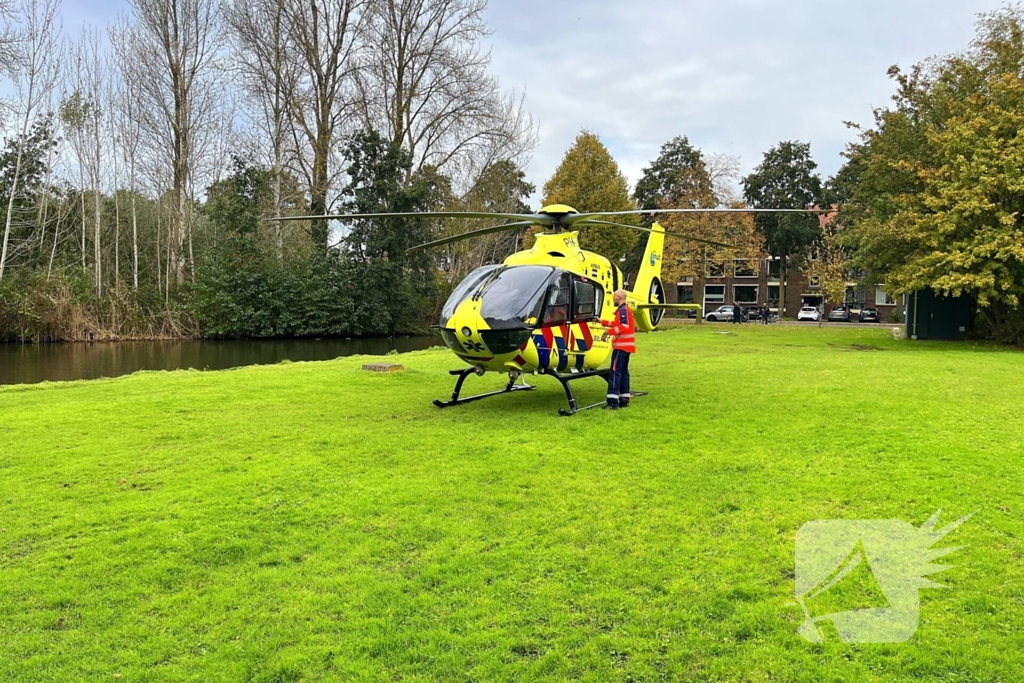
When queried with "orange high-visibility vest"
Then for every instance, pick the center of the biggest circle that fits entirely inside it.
(623, 330)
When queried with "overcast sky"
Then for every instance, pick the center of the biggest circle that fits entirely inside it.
(735, 76)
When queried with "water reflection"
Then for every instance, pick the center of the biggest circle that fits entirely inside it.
(30, 363)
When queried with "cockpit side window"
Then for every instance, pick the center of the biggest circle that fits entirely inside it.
(588, 300)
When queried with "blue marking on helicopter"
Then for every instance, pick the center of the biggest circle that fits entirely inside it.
(543, 352)
(581, 346)
(563, 357)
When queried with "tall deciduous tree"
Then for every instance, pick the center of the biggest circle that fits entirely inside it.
(267, 66)
(679, 178)
(830, 266)
(937, 195)
(323, 35)
(589, 179)
(173, 46)
(34, 73)
(423, 81)
(785, 179)
(683, 177)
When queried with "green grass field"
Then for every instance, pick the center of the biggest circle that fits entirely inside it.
(313, 522)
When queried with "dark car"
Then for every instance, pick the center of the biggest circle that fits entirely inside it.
(839, 314)
(869, 315)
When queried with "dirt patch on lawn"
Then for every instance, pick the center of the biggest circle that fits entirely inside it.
(862, 347)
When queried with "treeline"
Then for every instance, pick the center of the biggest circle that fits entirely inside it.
(930, 196)
(143, 160)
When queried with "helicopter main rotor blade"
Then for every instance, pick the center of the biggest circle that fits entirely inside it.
(471, 233)
(572, 219)
(535, 219)
(680, 235)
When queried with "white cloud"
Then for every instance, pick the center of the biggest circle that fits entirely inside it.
(736, 76)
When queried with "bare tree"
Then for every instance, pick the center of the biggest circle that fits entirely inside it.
(82, 112)
(10, 52)
(322, 34)
(172, 50)
(265, 61)
(423, 81)
(34, 75)
(127, 122)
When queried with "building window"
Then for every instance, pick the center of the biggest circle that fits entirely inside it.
(745, 294)
(773, 296)
(814, 282)
(716, 270)
(882, 297)
(684, 294)
(744, 268)
(855, 297)
(775, 268)
(714, 294)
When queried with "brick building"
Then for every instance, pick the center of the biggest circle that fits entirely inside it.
(753, 284)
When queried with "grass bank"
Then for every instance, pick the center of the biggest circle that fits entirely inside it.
(309, 521)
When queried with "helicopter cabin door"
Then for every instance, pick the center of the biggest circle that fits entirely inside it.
(565, 339)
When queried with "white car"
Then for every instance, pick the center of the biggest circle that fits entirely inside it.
(809, 313)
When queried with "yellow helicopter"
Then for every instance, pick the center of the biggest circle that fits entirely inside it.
(539, 311)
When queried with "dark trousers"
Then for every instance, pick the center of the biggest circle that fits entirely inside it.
(618, 380)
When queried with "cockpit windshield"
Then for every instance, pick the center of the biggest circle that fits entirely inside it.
(515, 296)
(466, 288)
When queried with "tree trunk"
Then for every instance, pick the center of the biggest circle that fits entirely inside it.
(135, 238)
(10, 203)
(159, 270)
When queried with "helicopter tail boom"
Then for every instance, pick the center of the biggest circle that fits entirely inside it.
(648, 288)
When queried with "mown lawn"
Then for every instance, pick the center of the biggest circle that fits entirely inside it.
(313, 522)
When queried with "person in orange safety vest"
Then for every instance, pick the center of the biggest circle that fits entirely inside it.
(623, 332)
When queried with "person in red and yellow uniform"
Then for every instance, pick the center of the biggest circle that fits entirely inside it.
(623, 331)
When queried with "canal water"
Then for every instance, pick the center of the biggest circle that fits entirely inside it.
(31, 363)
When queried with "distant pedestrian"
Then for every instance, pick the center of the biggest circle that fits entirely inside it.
(766, 314)
(737, 313)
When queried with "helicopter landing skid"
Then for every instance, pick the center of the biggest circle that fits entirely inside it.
(565, 379)
(462, 375)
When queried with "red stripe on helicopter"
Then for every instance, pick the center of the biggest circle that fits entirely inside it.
(588, 338)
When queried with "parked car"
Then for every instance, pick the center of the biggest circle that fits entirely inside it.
(723, 313)
(869, 315)
(809, 313)
(839, 314)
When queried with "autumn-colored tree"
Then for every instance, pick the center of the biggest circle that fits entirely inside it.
(937, 194)
(588, 179)
(683, 177)
(830, 266)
